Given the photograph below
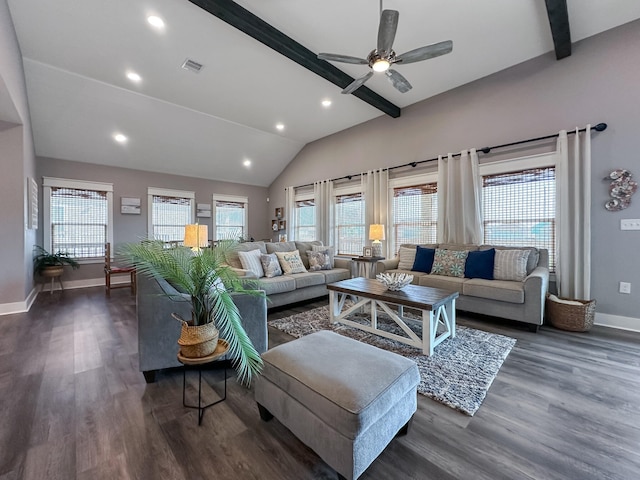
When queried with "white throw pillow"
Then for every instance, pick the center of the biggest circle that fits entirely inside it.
(510, 265)
(291, 262)
(407, 256)
(251, 261)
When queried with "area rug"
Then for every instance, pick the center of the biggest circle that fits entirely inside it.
(458, 374)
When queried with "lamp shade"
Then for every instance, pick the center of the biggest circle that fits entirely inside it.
(196, 236)
(376, 232)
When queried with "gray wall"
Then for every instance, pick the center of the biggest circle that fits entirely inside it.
(134, 183)
(598, 83)
(17, 159)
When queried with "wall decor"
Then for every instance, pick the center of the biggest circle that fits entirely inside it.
(203, 210)
(274, 225)
(32, 189)
(621, 189)
(130, 205)
(282, 237)
(282, 224)
(279, 212)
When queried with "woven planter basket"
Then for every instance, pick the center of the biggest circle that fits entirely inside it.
(574, 318)
(198, 341)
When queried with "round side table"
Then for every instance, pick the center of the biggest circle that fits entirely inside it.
(198, 364)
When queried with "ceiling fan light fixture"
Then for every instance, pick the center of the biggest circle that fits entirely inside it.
(381, 65)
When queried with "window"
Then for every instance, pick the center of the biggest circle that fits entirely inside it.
(170, 211)
(77, 217)
(230, 217)
(305, 218)
(349, 220)
(414, 214)
(519, 209)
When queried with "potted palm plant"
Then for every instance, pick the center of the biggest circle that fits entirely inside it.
(52, 264)
(206, 281)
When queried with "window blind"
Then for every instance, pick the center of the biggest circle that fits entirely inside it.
(169, 217)
(305, 224)
(415, 214)
(350, 228)
(79, 221)
(519, 209)
(230, 220)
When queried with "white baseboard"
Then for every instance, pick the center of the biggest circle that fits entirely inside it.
(25, 305)
(617, 321)
(19, 307)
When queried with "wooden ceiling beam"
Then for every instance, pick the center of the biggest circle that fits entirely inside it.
(245, 21)
(559, 21)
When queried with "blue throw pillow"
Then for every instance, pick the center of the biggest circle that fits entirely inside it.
(424, 259)
(480, 264)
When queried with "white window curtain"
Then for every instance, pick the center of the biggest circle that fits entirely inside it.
(459, 199)
(375, 187)
(290, 211)
(573, 215)
(323, 196)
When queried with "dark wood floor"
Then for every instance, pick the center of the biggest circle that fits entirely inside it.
(73, 405)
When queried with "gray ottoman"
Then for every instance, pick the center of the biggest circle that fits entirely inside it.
(344, 399)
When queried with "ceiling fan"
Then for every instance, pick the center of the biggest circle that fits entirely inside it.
(381, 59)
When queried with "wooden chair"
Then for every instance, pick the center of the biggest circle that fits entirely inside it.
(111, 270)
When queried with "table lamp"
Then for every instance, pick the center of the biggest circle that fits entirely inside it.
(376, 233)
(196, 236)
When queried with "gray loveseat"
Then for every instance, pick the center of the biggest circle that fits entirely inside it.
(158, 332)
(296, 287)
(521, 301)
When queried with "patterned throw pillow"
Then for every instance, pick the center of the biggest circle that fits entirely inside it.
(449, 262)
(510, 265)
(319, 260)
(251, 261)
(270, 265)
(407, 256)
(322, 248)
(291, 262)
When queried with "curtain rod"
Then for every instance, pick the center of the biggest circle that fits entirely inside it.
(598, 128)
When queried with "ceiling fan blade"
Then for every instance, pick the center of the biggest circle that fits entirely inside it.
(424, 53)
(357, 83)
(334, 57)
(398, 81)
(387, 30)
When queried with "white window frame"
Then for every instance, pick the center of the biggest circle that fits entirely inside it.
(337, 192)
(541, 160)
(302, 197)
(166, 192)
(404, 181)
(48, 182)
(230, 198)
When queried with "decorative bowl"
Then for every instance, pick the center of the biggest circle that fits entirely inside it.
(394, 281)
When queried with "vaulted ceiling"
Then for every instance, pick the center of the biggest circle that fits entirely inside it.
(77, 55)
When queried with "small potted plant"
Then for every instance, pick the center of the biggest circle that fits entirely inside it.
(206, 282)
(52, 264)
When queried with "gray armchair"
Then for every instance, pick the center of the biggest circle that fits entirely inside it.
(158, 333)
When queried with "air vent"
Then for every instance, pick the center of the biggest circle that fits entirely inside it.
(192, 65)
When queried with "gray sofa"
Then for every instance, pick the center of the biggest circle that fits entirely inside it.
(290, 288)
(521, 301)
(158, 332)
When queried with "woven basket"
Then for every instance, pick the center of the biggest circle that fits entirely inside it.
(198, 341)
(574, 318)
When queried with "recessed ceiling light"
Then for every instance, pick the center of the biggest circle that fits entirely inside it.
(120, 138)
(247, 163)
(134, 77)
(280, 126)
(326, 103)
(155, 21)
